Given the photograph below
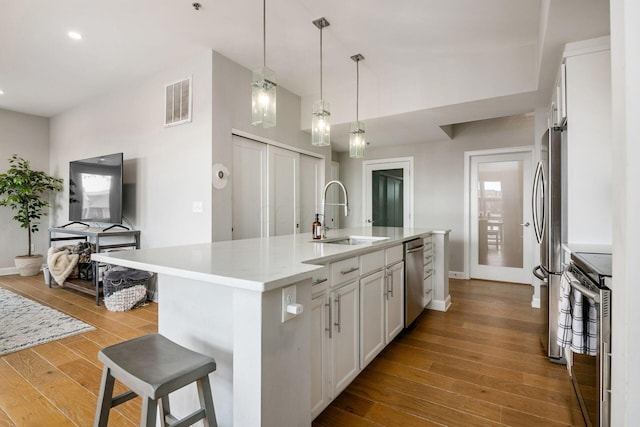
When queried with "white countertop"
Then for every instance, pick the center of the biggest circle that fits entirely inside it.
(585, 247)
(260, 264)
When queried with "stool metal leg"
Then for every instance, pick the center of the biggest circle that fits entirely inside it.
(104, 399)
(149, 412)
(165, 410)
(206, 401)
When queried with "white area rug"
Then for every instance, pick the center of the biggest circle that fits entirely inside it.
(25, 323)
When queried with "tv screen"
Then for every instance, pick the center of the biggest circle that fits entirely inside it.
(95, 189)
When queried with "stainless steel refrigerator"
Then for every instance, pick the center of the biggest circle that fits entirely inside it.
(548, 226)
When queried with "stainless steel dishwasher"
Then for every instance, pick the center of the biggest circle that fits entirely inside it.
(413, 280)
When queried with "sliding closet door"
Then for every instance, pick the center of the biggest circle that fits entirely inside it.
(284, 205)
(249, 180)
(310, 187)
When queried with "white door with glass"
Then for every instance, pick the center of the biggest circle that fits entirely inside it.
(501, 241)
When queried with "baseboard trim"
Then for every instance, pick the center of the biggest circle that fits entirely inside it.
(440, 305)
(535, 302)
(8, 271)
(456, 275)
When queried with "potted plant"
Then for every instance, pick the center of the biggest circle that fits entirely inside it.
(26, 191)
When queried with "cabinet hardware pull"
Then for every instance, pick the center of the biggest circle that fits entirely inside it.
(328, 305)
(338, 310)
(390, 284)
(317, 282)
(351, 270)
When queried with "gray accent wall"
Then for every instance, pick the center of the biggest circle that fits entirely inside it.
(28, 137)
(439, 174)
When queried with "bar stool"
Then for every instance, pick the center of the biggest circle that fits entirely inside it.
(152, 367)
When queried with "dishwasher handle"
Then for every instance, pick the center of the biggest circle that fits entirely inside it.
(419, 248)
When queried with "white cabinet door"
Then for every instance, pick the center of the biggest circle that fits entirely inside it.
(249, 180)
(284, 209)
(394, 307)
(311, 177)
(345, 303)
(319, 354)
(372, 321)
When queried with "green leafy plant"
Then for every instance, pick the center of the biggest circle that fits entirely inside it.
(25, 191)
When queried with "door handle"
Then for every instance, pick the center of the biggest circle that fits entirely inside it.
(338, 309)
(526, 224)
(329, 329)
(370, 221)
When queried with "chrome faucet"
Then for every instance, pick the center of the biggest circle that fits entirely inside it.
(324, 204)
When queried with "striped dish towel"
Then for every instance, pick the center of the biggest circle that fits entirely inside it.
(578, 341)
(565, 333)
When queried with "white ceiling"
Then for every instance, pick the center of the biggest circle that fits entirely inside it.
(428, 63)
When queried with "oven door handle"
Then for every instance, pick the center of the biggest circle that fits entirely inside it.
(575, 283)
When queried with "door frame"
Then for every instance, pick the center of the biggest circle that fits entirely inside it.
(468, 155)
(406, 163)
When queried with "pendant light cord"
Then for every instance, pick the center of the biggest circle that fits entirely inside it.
(321, 65)
(357, 89)
(264, 33)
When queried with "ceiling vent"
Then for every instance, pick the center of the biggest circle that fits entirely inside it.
(177, 102)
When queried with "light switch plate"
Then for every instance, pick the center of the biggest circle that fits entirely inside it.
(288, 297)
(197, 207)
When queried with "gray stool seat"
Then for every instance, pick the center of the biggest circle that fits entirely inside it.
(152, 367)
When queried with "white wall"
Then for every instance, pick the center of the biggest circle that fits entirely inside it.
(232, 110)
(625, 57)
(28, 137)
(166, 168)
(439, 174)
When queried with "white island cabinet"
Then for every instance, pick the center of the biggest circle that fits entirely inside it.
(225, 299)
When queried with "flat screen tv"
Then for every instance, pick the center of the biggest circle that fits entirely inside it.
(95, 189)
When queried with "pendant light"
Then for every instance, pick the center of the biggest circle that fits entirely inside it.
(263, 87)
(320, 126)
(356, 129)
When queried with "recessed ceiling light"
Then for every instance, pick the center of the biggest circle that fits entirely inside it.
(1, 92)
(74, 35)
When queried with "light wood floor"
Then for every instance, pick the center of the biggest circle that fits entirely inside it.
(480, 363)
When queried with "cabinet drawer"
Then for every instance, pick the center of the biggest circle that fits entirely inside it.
(345, 270)
(393, 255)
(371, 262)
(428, 257)
(320, 280)
(428, 243)
(428, 272)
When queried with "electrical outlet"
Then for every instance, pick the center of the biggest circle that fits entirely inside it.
(197, 207)
(33, 247)
(288, 297)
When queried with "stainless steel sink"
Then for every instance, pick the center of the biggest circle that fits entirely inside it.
(352, 240)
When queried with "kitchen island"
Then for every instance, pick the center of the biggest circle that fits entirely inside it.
(225, 299)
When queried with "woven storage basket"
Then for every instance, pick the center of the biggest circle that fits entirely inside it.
(124, 288)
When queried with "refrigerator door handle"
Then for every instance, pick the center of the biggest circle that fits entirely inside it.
(538, 223)
(539, 273)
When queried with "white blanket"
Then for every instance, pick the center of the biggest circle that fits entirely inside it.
(61, 263)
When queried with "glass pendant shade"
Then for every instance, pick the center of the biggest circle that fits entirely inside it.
(356, 140)
(263, 98)
(320, 124)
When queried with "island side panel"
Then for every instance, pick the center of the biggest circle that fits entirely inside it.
(441, 297)
(286, 361)
(199, 316)
(263, 365)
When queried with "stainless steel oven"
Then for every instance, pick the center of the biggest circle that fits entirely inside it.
(591, 374)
